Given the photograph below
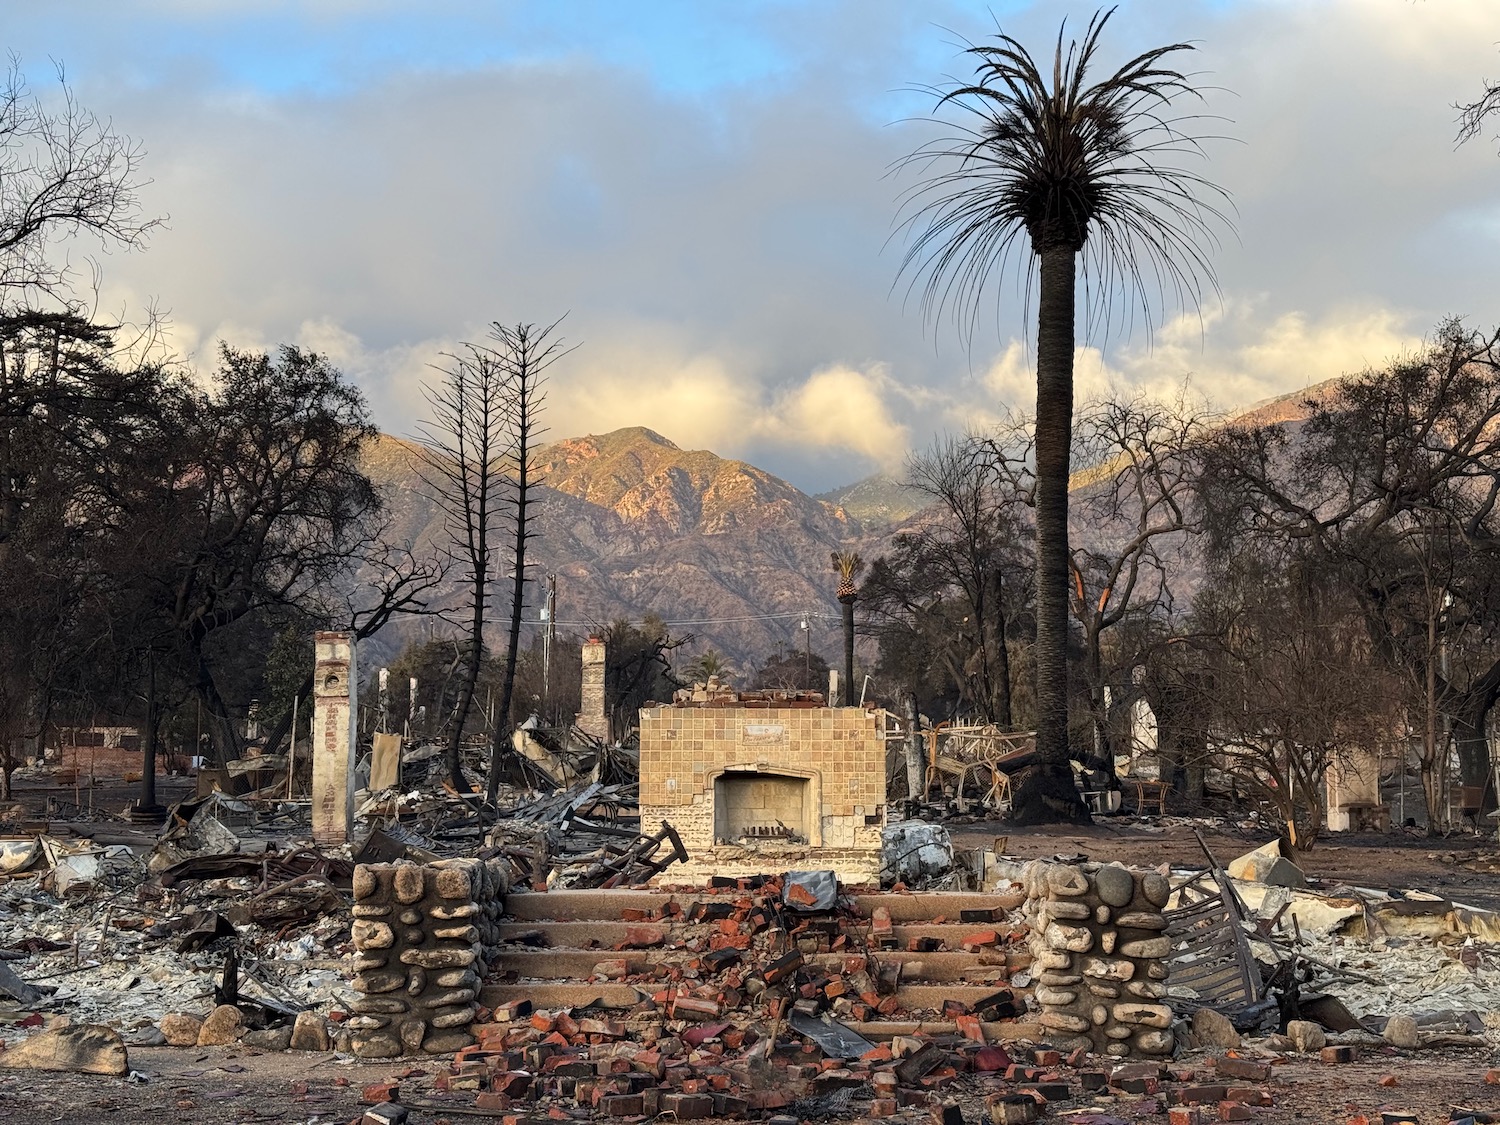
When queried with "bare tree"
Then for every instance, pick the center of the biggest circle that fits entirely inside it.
(462, 462)
(1391, 483)
(526, 353)
(64, 172)
(1132, 513)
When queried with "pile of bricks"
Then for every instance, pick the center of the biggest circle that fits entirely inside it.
(527, 1076)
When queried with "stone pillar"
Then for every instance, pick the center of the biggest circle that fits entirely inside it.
(593, 718)
(334, 734)
(1101, 956)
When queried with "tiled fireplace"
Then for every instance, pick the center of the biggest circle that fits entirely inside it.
(756, 789)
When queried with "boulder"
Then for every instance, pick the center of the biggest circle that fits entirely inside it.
(1401, 1031)
(88, 1048)
(222, 1027)
(309, 1032)
(180, 1029)
(1214, 1030)
(270, 1039)
(1306, 1036)
(1115, 884)
(1267, 865)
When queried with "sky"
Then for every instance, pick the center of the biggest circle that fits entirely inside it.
(708, 191)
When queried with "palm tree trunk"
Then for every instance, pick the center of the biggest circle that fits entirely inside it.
(848, 607)
(1048, 795)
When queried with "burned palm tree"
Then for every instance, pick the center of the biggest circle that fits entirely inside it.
(848, 565)
(1081, 173)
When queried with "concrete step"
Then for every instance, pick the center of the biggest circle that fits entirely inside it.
(575, 994)
(578, 964)
(606, 906)
(604, 936)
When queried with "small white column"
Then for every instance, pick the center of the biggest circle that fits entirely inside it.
(334, 735)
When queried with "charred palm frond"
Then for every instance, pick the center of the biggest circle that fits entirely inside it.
(1097, 167)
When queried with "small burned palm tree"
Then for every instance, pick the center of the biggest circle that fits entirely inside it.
(848, 565)
(1072, 169)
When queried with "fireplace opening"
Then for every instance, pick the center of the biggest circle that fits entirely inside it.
(762, 807)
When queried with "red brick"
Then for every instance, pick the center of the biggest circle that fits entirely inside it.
(622, 1105)
(1332, 1055)
(378, 1092)
(883, 1107)
(1235, 1111)
(489, 1099)
(688, 1107)
(1242, 1068)
(1184, 1115)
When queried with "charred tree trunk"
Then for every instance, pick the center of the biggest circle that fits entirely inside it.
(1048, 794)
(847, 604)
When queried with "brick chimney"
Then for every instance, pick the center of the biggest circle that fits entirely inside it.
(593, 719)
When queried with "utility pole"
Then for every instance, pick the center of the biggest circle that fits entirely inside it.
(549, 637)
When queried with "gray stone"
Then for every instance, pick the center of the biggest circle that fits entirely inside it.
(147, 1037)
(88, 1048)
(1058, 980)
(1147, 989)
(449, 1018)
(1075, 939)
(438, 958)
(456, 978)
(1141, 920)
(1100, 1015)
(1063, 1022)
(1069, 911)
(1155, 1042)
(270, 1039)
(1101, 915)
(1054, 998)
(1053, 959)
(1108, 991)
(1306, 1036)
(1108, 970)
(1107, 940)
(379, 1046)
(1401, 1031)
(367, 961)
(372, 935)
(1148, 1015)
(380, 1005)
(309, 1032)
(1214, 1030)
(411, 883)
(451, 913)
(1156, 888)
(371, 910)
(367, 1023)
(443, 1042)
(1066, 880)
(1144, 947)
(1116, 885)
(380, 982)
(413, 1031)
(411, 917)
(366, 882)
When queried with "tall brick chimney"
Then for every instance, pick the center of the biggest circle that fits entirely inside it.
(593, 719)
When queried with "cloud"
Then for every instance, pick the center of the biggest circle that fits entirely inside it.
(723, 244)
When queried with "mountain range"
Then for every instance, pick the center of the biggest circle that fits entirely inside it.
(630, 524)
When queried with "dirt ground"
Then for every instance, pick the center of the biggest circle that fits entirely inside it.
(237, 1085)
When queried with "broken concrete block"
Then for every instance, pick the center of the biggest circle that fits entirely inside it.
(180, 1029)
(222, 1027)
(88, 1048)
(1267, 865)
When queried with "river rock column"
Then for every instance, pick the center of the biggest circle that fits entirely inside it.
(424, 937)
(335, 731)
(1101, 956)
(593, 714)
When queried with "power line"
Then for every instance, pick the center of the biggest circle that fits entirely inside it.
(710, 620)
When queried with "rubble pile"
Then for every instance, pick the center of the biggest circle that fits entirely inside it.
(1096, 936)
(424, 935)
(521, 1071)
